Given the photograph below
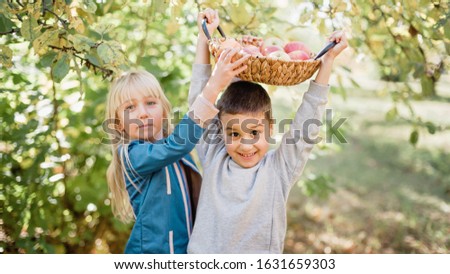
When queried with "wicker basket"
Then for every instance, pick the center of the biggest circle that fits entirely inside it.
(267, 70)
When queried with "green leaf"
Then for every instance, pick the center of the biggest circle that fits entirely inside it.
(48, 4)
(47, 59)
(414, 137)
(105, 53)
(160, 6)
(93, 59)
(6, 25)
(110, 52)
(30, 29)
(447, 31)
(88, 6)
(6, 56)
(391, 114)
(61, 68)
(40, 44)
(431, 127)
(35, 10)
(19, 78)
(81, 43)
(77, 24)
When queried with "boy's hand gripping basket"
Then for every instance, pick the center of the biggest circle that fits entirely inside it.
(263, 69)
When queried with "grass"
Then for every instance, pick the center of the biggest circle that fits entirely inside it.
(390, 197)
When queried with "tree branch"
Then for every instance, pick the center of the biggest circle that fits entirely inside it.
(10, 4)
(11, 31)
(65, 23)
(105, 72)
(20, 4)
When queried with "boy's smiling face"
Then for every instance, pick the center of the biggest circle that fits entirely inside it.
(246, 137)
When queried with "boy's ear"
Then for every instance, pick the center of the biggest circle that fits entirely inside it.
(271, 129)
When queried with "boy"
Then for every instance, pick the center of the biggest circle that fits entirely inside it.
(242, 206)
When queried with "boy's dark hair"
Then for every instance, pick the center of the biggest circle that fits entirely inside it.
(245, 97)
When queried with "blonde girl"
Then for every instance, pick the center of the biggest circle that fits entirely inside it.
(152, 178)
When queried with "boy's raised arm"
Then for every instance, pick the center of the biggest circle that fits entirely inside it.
(297, 143)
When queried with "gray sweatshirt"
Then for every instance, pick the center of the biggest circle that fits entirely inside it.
(243, 210)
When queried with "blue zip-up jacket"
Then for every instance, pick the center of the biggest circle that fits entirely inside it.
(168, 184)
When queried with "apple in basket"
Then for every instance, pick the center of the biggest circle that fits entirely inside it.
(271, 42)
(269, 49)
(298, 55)
(279, 55)
(252, 50)
(296, 45)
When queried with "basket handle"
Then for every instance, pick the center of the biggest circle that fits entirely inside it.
(205, 30)
(325, 49)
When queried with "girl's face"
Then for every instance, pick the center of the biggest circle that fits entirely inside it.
(141, 117)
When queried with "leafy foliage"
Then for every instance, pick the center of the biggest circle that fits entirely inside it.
(408, 40)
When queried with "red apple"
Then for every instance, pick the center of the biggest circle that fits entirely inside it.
(269, 49)
(252, 50)
(296, 45)
(269, 42)
(279, 55)
(298, 55)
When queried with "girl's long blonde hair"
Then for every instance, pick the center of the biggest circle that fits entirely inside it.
(122, 89)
